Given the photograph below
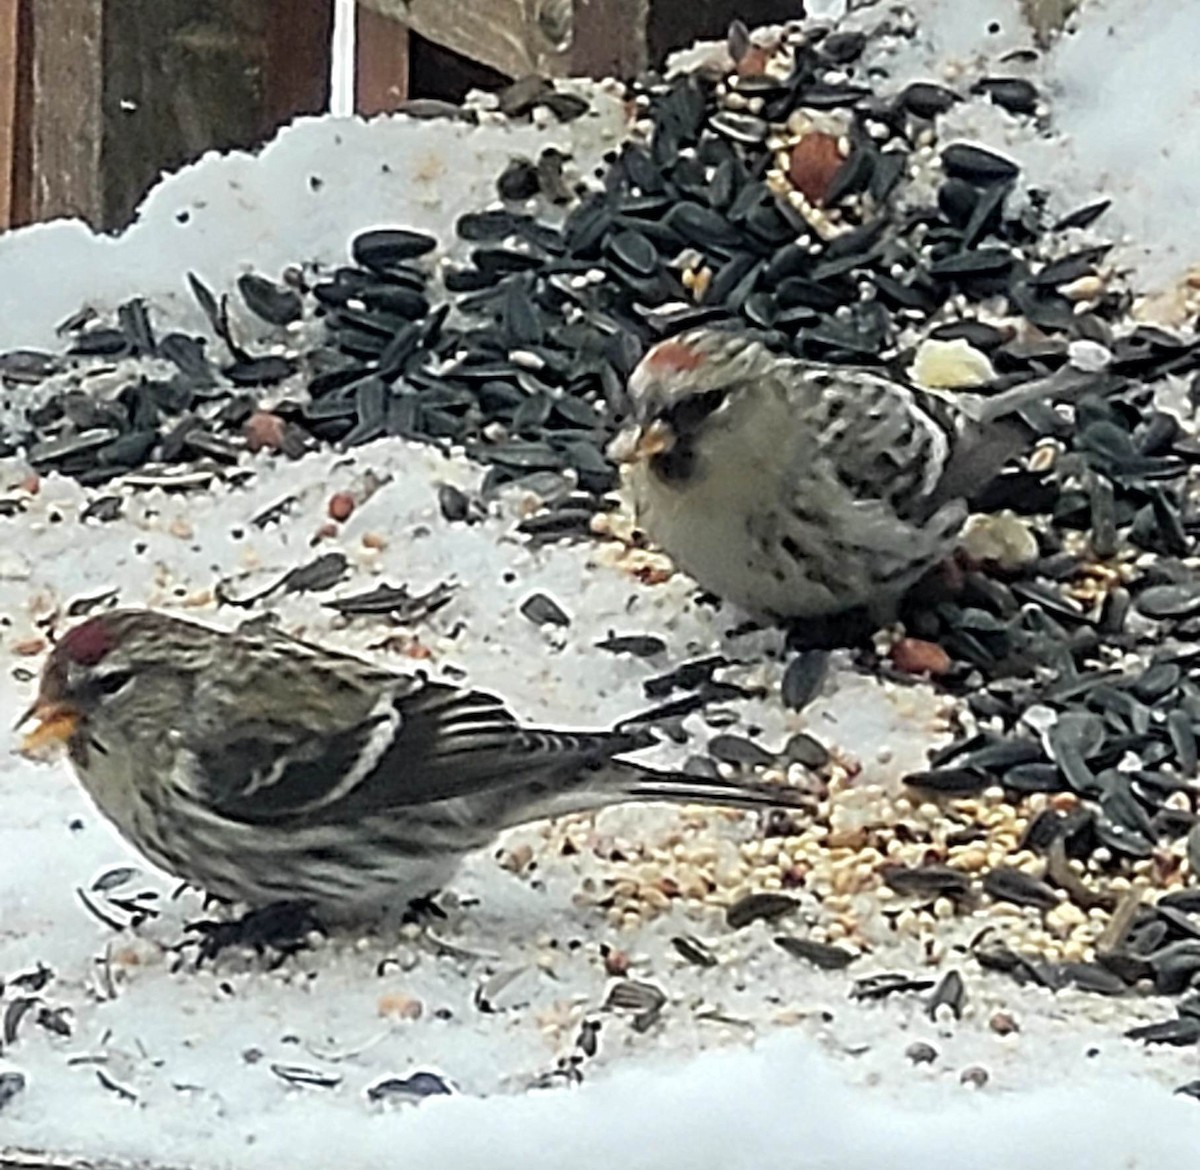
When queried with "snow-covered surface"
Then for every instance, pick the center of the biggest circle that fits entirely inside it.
(299, 200)
(1122, 92)
(788, 1070)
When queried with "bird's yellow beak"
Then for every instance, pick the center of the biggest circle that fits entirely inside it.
(638, 444)
(56, 725)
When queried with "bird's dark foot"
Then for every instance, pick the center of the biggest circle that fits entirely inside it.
(281, 928)
(424, 910)
(851, 629)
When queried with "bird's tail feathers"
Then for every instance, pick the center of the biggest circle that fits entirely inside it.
(1000, 433)
(1063, 385)
(620, 782)
(678, 788)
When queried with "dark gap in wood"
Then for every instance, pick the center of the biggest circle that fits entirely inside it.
(299, 55)
(437, 72)
(20, 174)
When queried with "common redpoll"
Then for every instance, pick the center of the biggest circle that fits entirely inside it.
(266, 769)
(800, 490)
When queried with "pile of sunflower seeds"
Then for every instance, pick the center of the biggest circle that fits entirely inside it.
(779, 189)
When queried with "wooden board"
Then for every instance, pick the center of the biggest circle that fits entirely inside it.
(122, 90)
(10, 59)
(381, 62)
(65, 121)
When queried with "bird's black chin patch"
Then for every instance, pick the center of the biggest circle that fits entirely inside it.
(675, 466)
(684, 420)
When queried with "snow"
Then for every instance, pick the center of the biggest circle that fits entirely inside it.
(1122, 94)
(757, 1060)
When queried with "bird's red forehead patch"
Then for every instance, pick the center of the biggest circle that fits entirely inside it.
(674, 357)
(87, 644)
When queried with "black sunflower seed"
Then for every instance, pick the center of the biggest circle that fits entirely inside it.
(824, 955)
(964, 160)
(1123, 841)
(14, 1013)
(1083, 216)
(1069, 268)
(1183, 739)
(1178, 1033)
(949, 781)
(1178, 921)
(637, 645)
(702, 226)
(635, 996)
(928, 881)
(296, 1074)
(688, 676)
(413, 1088)
(396, 601)
(803, 678)
(1002, 754)
(100, 342)
(325, 572)
(1093, 977)
(1006, 884)
(557, 524)
(978, 262)
(950, 992)
(1169, 601)
(1193, 848)
(453, 503)
(518, 180)
(1042, 831)
(56, 451)
(130, 450)
(752, 907)
(260, 371)
(27, 366)
(381, 248)
(135, 324)
(873, 987)
(634, 251)
(1033, 778)
(843, 47)
(11, 1083)
(1080, 732)
(739, 751)
(694, 951)
(927, 100)
(274, 303)
(543, 610)
(802, 748)
(1015, 94)
(566, 107)
(738, 127)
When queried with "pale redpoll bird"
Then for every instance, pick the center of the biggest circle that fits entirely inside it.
(801, 490)
(266, 769)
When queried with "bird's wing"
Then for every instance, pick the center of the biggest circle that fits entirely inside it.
(869, 435)
(403, 742)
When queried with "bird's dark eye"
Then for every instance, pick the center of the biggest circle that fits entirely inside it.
(112, 681)
(685, 416)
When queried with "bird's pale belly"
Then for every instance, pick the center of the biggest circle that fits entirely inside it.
(718, 537)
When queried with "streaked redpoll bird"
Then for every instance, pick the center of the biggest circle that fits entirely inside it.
(800, 490)
(266, 769)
